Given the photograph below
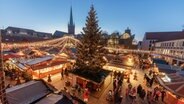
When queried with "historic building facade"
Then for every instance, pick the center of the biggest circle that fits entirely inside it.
(16, 34)
(124, 40)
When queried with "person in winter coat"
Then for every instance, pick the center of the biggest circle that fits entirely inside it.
(151, 82)
(139, 89)
(163, 94)
(143, 94)
(49, 78)
(158, 93)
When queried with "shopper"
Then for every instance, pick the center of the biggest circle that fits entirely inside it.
(163, 94)
(139, 89)
(143, 94)
(49, 78)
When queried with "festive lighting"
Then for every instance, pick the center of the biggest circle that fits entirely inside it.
(60, 42)
(70, 40)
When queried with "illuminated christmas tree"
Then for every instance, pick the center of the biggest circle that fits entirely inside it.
(90, 55)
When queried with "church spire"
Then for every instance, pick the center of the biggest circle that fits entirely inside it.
(71, 17)
(71, 25)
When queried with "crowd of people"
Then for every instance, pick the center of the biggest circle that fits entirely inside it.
(117, 86)
(147, 91)
(143, 91)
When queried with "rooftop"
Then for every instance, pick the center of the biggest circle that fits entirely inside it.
(164, 36)
(176, 85)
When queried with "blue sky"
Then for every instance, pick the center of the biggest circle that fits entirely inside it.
(114, 15)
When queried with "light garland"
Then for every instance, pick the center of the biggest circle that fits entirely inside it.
(59, 42)
(63, 41)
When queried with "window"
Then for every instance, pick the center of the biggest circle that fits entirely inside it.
(9, 31)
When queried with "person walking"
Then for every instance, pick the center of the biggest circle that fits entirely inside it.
(143, 94)
(150, 72)
(163, 94)
(115, 74)
(62, 73)
(128, 79)
(135, 76)
(66, 72)
(114, 84)
(126, 92)
(120, 82)
(157, 95)
(149, 97)
(49, 78)
(133, 95)
(144, 79)
(151, 82)
(139, 89)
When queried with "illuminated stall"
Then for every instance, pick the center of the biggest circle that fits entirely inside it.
(43, 69)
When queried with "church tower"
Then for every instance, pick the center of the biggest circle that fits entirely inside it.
(71, 25)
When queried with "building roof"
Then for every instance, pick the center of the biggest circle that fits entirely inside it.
(176, 85)
(37, 92)
(164, 36)
(24, 93)
(12, 38)
(51, 64)
(36, 60)
(62, 98)
(18, 29)
(51, 99)
(58, 33)
(44, 34)
(163, 66)
(31, 35)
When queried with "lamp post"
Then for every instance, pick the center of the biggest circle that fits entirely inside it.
(2, 77)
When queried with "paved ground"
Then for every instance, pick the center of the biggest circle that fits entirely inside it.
(100, 96)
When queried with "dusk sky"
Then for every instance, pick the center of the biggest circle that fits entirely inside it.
(114, 15)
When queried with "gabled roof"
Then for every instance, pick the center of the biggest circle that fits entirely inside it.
(9, 38)
(53, 99)
(164, 36)
(18, 29)
(58, 33)
(44, 34)
(38, 60)
(31, 32)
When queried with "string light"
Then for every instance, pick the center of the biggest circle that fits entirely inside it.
(64, 41)
(59, 42)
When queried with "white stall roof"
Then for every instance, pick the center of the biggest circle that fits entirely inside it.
(21, 66)
(38, 60)
(50, 99)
